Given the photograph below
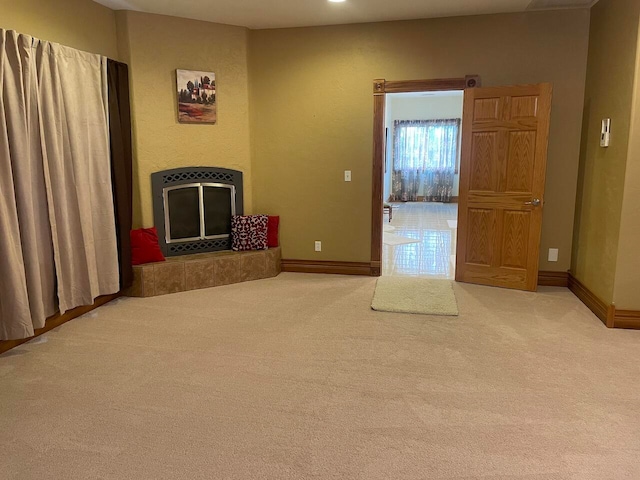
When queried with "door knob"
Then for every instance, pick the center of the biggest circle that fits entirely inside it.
(535, 202)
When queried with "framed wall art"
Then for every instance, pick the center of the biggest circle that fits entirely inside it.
(196, 97)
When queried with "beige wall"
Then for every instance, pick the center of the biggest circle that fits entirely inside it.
(627, 281)
(155, 46)
(609, 93)
(311, 105)
(81, 24)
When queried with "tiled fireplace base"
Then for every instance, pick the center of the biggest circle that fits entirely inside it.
(204, 270)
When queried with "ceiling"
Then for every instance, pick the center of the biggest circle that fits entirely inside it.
(258, 14)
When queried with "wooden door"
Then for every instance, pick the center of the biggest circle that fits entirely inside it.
(502, 175)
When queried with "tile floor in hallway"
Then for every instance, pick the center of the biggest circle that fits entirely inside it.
(431, 228)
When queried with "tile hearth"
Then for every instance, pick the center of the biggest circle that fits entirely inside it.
(204, 270)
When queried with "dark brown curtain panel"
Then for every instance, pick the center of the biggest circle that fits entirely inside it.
(121, 163)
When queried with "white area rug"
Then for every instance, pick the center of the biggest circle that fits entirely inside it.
(392, 239)
(415, 295)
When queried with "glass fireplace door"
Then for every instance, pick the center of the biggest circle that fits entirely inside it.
(182, 213)
(218, 210)
(198, 211)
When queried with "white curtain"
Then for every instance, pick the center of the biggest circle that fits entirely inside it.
(27, 279)
(58, 233)
(424, 159)
(75, 137)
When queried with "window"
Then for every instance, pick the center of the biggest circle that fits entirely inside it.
(426, 145)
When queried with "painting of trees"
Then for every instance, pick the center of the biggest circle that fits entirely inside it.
(196, 92)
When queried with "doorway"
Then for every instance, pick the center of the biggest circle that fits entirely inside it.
(421, 183)
(381, 89)
(502, 178)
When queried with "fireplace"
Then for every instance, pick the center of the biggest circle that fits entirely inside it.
(193, 206)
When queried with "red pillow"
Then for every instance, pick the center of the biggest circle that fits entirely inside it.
(145, 247)
(272, 231)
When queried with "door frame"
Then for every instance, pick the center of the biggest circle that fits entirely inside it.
(380, 89)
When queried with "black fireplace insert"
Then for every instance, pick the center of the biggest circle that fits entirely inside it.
(192, 208)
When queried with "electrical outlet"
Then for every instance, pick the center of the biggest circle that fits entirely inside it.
(553, 254)
(347, 175)
(318, 246)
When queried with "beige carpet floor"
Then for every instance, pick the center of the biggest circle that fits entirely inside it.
(297, 378)
(417, 295)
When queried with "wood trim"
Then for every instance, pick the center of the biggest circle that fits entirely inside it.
(438, 84)
(553, 279)
(379, 86)
(57, 320)
(626, 319)
(608, 314)
(377, 202)
(586, 296)
(327, 266)
(376, 269)
(611, 314)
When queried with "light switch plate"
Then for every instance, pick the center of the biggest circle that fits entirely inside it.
(347, 175)
(605, 134)
(553, 254)
(318, 246)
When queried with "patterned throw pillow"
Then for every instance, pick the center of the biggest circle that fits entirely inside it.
(249, 232)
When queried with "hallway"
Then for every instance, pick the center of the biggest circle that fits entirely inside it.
(431, 228)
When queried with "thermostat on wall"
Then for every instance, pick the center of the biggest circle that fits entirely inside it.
(605, 136)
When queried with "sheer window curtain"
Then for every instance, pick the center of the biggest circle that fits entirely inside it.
(57, 216)
(424, 159)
